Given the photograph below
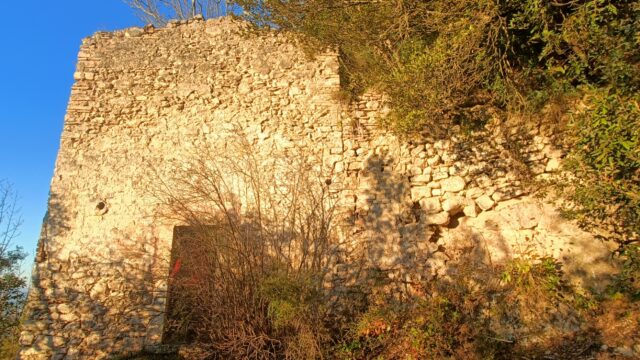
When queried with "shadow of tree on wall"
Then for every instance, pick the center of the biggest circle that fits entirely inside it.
(397, 261)
(37, 317)
(110, 303)
(92, 304)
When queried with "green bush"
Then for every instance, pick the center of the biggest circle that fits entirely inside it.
(626, 283)
(295, 311)
(605, 159)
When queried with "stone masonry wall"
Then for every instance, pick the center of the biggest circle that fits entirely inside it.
(150, 97)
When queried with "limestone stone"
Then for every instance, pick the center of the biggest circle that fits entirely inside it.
(421, 179)
(474, 193)
(434, 185)
(485, 202)
(440, 174)
(419, 192)
(415, 170)
(453, 205)
(134, 32)
(417, 150)
(64, 308)
(434, 160)
(498, 196)
(26, 338)
(431, 205)
(552, 165)
(441, 218)
(58, 341)
(70, 317)
(471, 210)
(453, 184)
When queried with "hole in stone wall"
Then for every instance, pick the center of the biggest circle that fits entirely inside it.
(101, 208)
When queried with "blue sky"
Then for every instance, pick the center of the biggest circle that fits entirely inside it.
(39, 41)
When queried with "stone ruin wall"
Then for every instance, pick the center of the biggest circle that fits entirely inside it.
(147, 97)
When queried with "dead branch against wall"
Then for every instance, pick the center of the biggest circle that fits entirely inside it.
(256, 243)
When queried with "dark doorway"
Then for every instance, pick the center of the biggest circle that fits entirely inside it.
(186, 259)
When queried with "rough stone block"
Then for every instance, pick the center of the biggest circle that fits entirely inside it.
(421, 179)
(453, 205)
(440, 174)
(453, 184)
(419, 192)
(552, 165)
(434, 160)
(485, 202)
(441, 218)
(471, 210)
(474, 193)
(431, 205)
(26, 338)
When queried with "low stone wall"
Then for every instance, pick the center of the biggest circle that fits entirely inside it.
(147, 98)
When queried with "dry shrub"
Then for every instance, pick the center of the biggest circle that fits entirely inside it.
(249, 263)
(254, 252)
(521, 309)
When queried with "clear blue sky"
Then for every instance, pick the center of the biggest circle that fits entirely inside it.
(39, 41)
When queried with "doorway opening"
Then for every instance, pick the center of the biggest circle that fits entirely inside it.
(187, 259)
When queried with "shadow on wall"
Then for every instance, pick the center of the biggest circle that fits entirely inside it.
(113, 301)
(482, 310)
(506, 298)
(92, 304)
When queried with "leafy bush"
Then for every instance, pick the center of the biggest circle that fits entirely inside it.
(606, 161)
(627, 282)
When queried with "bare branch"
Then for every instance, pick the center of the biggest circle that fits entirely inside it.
(160, 12)
(10, 219)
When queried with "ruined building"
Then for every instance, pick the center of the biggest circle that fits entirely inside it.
(147, 98)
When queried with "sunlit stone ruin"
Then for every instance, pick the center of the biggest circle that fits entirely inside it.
(146, 100)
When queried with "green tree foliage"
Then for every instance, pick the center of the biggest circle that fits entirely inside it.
(12, 285)
(436, 58)
(606, 159)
